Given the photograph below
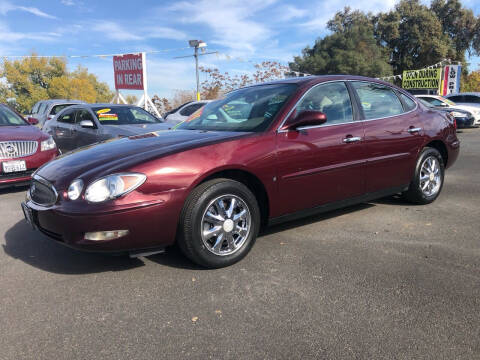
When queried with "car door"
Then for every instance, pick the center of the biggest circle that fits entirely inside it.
(85, 135)
(322, 164)
(63, 130)
(393, 135)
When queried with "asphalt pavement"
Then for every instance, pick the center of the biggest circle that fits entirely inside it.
(384, 279)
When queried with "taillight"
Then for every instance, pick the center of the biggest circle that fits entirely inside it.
(455, 123)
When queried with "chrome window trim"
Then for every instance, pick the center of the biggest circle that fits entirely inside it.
(279, 130)
(46, 183)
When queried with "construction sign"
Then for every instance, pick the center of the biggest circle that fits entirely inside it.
(422, 79)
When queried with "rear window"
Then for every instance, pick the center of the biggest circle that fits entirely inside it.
(57, 108)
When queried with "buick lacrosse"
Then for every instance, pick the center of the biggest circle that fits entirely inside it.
(263, 154)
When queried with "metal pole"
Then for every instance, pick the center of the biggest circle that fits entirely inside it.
(196, 71)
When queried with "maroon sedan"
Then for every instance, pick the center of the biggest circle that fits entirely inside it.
(23, 148)
(264, 154)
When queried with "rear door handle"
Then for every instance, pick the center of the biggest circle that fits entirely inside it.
(414, 130)
(351, 139)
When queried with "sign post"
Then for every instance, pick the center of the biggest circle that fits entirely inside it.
(130, 72)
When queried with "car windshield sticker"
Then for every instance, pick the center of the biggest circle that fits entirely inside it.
(103, 111)
(107, 117)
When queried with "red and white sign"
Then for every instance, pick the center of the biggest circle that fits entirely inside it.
(128, 71)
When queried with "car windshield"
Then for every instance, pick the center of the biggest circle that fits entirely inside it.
(249, 109)
(449, 102)
(9, 118)
(124, 115)
(426, 103)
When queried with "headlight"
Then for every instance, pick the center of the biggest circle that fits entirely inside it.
(75, 189)
(48, 144)
(458, 114)
(113, 186)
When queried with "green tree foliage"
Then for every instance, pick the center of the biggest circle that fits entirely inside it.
(350, 49)
(31, 79)
(471, 82)
(411, 36)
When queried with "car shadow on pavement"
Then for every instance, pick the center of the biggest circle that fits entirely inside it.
(35, 249)
(313, 219)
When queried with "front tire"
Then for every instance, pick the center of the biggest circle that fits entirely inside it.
(428, 180)
(219, 223)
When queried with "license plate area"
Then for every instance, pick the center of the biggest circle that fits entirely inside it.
(14, 166)
(29, 215)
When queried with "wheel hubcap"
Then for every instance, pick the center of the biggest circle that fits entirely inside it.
(225, 225)
(430, 177)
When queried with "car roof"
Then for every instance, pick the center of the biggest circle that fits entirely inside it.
(429, 95)
(63, 101)
(108, 105)
(465, 93)
(314, 79)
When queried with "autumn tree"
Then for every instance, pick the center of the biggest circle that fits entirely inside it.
(471, 82)
(33, 78)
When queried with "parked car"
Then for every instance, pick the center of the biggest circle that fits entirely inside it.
(46, 110)
(463, 118)
(86, 124)
(182, 112)
(441, 102)
(307, 145)
(23, 148)
(468, 98)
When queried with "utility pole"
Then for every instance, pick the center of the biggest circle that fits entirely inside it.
(197, 44)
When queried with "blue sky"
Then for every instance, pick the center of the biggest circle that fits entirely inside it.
(248, 31)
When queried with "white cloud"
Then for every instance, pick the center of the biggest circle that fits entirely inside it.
(68, 2)
(7, 6)
(231, 21)
(114, 31)
(290, 12)
(9, 36)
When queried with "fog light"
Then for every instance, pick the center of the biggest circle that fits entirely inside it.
(105, 235)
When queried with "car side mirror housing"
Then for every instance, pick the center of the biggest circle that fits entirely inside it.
(305, 118)
(32, 120)
(87, 124)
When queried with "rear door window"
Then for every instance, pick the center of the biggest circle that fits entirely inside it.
(377, 100)
(457, 98)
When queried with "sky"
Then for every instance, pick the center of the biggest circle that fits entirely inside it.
(243, 32)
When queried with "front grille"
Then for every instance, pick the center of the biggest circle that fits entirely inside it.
(42, 192)
(16, 149)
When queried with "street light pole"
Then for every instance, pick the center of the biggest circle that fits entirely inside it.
(196, 72)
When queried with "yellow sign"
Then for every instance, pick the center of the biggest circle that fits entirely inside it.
(103, 111)
(422, 79)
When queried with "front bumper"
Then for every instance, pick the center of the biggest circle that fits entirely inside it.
(32, 162)
(464, 122)
(150, 225)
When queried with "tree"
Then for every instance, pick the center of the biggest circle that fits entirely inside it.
(218, 83)
(471, 82)
(131, 99)
(414, 36)
(33, 78)
(350, 49)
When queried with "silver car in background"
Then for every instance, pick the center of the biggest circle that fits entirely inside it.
(45, 110)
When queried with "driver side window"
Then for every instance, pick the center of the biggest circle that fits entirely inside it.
(332, 99)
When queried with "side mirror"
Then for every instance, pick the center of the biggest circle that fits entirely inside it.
(305, 118)
(87, 124)
(32, 120)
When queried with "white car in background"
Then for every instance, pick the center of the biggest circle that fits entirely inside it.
(450, 102)
(182, 112)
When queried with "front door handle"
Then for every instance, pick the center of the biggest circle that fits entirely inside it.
(351, 139)
(414, 130)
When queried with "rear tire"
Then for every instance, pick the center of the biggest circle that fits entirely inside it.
(428, 180)
(219, 223)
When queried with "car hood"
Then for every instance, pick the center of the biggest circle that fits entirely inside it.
(135, 129)
(119, 154)
(472, 109)
(24, 132)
